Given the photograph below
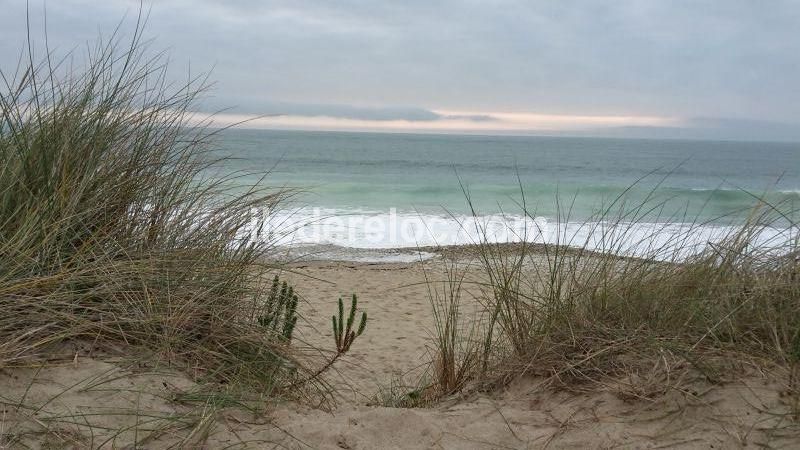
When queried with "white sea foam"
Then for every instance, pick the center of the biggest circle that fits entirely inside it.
(364, 229)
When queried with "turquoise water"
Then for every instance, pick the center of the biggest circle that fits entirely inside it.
(422, 173)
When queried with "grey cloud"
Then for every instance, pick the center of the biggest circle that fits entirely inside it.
(390, 113)
(338, 111)
(471, 117)
(411, 114)
(735, 58)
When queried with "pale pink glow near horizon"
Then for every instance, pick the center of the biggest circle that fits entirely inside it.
(450, 122)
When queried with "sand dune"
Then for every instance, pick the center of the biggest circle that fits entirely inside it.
(82, 389)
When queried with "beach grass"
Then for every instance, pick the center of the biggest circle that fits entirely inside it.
(117, 230)
(576, 314)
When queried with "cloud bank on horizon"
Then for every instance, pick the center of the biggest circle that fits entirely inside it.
(661, 68)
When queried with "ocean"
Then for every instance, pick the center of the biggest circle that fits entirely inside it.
(380, 190)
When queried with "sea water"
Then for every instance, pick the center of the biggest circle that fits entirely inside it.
(381, 190)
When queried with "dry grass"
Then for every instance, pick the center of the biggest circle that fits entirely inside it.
(116, 228)
(457, 353)
(578, 316)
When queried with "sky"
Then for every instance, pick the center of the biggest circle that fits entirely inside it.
(724, 69)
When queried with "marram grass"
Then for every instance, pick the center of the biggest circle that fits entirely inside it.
(111, 230)
(576, 315)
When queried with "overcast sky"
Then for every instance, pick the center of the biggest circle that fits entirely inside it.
(476, 66)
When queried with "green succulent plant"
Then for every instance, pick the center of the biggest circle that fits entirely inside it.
(280, 310)
(344, 334)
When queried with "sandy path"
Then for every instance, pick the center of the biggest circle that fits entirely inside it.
(397, 300)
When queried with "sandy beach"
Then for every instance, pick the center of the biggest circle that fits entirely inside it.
(105, 392)
(399, 225)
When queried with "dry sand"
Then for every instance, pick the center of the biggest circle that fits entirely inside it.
(106, 393)
(397, 300)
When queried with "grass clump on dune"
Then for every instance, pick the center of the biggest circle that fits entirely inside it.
(576, 314)
(113, 231)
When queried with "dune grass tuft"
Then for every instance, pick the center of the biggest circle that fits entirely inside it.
(575, 313)
(116, 229)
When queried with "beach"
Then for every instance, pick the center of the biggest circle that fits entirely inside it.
(527, 412)
(455, 226)
(633, 329)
